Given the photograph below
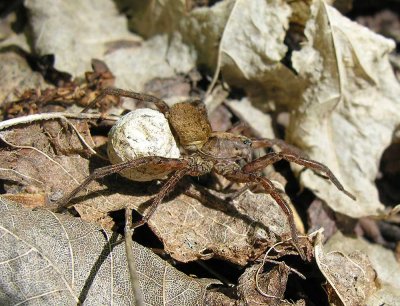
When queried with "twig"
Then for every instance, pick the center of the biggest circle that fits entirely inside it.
(23, 175)
(51, 116)
(131, 260)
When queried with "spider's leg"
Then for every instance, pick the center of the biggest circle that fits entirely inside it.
(163, 162)
(293, 156)
(276, 143)
(238, 128)
(271, 189)
(166, 188)
(117, 92)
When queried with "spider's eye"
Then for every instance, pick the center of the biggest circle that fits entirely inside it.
(247, 142)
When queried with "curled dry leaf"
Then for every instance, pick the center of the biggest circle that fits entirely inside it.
(272, 284)
(349, 273)
(238, 231)
(268, 288)
(249, 35)
(51, 259)
(382, 260)
(348, 110)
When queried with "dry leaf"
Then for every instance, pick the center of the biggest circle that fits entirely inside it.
(382, 261)
(158, 57)
(348, 111)
(349, 273)
(238, 233)
(271, 283)
(260, 123)
(250, 39)
(15, 74)
(200, 28)
(266, 289)
(51, 259)
(75, 37)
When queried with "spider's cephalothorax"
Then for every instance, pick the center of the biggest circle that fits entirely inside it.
(205, 151)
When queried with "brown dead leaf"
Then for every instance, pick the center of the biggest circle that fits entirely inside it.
(27, 200)
(321, 216)
(382, 260)
(219, 299)
(34, 156)
(51, 259)
(349, 273)
(239, 233)
(53, 161)
(267, 289)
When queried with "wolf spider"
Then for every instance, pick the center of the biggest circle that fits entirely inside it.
(207, 151)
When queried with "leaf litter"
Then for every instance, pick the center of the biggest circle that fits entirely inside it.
(330, 88)
(52, 259)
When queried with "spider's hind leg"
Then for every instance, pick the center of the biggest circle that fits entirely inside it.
(271, 189)
(171, 164)
(165, 190)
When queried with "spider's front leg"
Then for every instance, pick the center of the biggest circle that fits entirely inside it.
(271, 189)
(163, 163)
(117, 92)
(291, 154)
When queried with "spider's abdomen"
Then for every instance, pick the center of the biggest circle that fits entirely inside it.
(190, 122)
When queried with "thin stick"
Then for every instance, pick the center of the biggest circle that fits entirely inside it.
(51, 116)
(131, 260)
(23, 175)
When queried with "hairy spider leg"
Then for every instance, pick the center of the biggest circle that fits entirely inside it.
(238, 128)
(290, 153)
(165, 190)
(163, 162)
(161, 104)
(271, 189)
